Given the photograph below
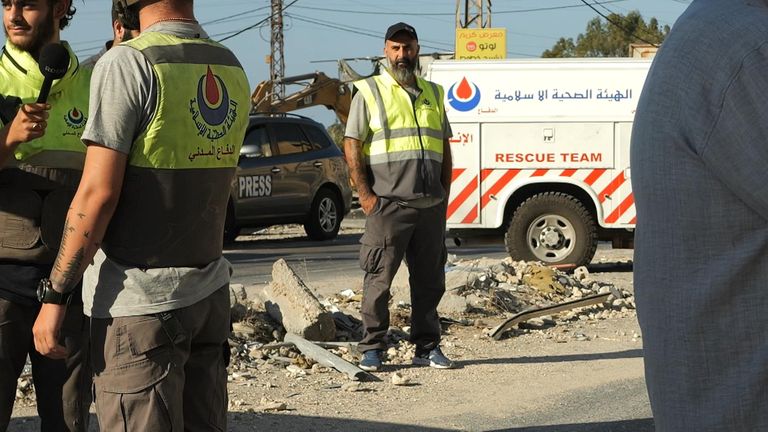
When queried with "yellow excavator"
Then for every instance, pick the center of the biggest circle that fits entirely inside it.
(319, 89)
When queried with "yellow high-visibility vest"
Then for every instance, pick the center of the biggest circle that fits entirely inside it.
(404, 151)
(174, 200)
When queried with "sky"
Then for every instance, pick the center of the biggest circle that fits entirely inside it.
(318, 32)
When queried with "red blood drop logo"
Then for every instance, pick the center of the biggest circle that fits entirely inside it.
(75, 113)
(464, 91)
(211, 89)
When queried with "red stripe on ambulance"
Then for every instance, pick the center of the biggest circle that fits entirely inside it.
(505, 179)
(612, 187)
(471, 217)
(466, 193)
(621, 209)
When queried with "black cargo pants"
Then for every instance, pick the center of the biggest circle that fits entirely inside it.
(392, 231)
(62, 387)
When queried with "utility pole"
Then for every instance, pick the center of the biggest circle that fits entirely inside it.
(474, 13)
(277, 62)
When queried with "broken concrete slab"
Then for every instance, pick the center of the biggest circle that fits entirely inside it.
(459, 278)
(452, 304)
(292, 303)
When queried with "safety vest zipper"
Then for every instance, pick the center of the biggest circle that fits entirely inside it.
(423, 165)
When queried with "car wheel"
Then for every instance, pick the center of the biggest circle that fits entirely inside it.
(324, 216)
(231, 230)
(554, 228)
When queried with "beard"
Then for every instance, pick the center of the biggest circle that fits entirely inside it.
(404, 70)
(36, 39)
(127, 35)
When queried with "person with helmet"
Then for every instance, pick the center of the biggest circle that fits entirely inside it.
(396, 145)
(125, 26)
(169, 111)
(41, 160)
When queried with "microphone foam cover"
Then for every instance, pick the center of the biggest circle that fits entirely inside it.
(54, 61)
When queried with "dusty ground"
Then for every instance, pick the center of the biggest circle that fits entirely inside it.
(577, 375)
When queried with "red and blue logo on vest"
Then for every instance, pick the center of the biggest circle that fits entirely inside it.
(464, 95)
(213, 111)
(212, 98)
(75, 121)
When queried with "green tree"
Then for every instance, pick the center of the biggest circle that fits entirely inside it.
(604, 39)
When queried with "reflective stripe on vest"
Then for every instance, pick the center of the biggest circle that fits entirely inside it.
(174, 199)
(405, 149)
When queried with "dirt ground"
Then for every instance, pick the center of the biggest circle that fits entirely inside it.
(579, 375)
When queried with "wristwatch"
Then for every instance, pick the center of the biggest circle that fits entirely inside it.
(46, 293)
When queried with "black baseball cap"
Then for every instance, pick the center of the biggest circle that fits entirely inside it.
(397, 28)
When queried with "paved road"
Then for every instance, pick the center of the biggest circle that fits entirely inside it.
(253, 255)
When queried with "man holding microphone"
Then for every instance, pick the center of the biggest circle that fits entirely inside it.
(41, 160)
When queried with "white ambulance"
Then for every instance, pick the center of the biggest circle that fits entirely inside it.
(541, 152)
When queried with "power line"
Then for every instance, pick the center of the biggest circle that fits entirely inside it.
(624, 29)
(239, 32)
(357, 30)
(376, 35)
(556, 7)
(237, 15)
(513, 11)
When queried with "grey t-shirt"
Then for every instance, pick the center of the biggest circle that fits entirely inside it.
(122, 102)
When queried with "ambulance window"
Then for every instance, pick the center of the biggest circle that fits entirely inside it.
(317, 138)
(256, 143)
(290, 139)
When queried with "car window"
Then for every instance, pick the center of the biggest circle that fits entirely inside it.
(256, 143)
(290, 139)
(317, 138)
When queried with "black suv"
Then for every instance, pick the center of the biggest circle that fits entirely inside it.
(290, 171)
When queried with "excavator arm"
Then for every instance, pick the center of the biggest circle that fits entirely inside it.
(318, 89)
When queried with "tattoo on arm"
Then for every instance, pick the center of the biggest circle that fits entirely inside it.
(357, 167)
(72, 274)
(68, 273)
(57, 266)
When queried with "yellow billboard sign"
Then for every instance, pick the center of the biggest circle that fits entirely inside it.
(481, 43)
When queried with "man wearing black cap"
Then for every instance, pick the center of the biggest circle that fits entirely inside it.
(396, 145)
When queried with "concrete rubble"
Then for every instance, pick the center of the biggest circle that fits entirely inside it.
(479, 294)
(291, 302)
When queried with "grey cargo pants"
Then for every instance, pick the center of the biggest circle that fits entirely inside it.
(391, 232)
(163, 376)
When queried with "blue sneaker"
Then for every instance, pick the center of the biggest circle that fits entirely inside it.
(432, 358)
(371, 360)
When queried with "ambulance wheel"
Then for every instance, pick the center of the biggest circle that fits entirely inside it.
(324, 216)
(231, 230)
(554, 228)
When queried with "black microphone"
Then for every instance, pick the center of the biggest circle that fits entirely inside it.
(54, 62)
